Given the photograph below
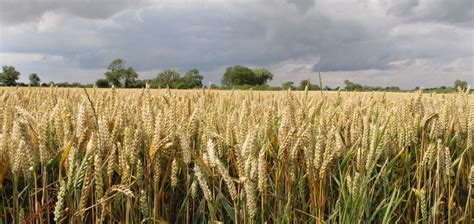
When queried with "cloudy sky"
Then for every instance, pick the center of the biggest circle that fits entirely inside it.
(406, 43)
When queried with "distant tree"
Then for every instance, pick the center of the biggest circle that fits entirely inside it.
(212, 86)
(137, 83)
(192, 79)
(9, 75)
(102, 83)
(305, 83)
(352, 86)
(115, 72)
(262, 75)
(34, 79)
(287, 85)
(392, 88)
(63, 84)
(118, 75)
(239, 75)
(129, 77)
(460, 84)
(67, 84)
(166, 78)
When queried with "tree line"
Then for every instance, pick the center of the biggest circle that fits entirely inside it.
(119, 75)
(239, 77)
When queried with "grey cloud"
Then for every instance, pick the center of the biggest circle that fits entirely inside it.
(414, 72)
(459, 12)
(448, 69)
(214, 35)
(163, 40)
(401, 7)
(302, 5)
(231, 37)
(15, 12)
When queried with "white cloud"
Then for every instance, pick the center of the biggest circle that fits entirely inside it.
(13, 58)
(294, 69)
(49, 21)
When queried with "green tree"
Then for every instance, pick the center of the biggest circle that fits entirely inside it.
(262, 75)
(460, 84)
(129, 77)
(118, 75)
(34, 79)
(305, 83)
(288, 85)
(9, 75)
(392, 88)
(350, 86)
(115, 72)
(192, 79)
(166, 78)
(102, 83)
(239, 75)
(137, 83)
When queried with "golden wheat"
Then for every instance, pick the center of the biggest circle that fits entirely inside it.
(106, 156)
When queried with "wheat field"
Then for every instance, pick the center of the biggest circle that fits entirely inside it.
(204, 156)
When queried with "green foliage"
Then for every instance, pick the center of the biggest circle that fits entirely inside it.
(138, 83)
(350, 86)
(120, 76)
(458, 84)
(305, 83)
(34, 79)
(115, 72)
(263, 75)
(392, 88)
(102, 83)
(248, 87)
(9, 75)
(130, 77)
(238, 75)
(241, 75)
(172, 79)
(192, 79)
(67, 84)
(288, 85)
(166, 78)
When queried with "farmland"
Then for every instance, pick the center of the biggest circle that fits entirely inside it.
(194, 156)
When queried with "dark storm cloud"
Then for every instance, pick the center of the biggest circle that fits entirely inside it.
(226, 36)
(292, 37)
(205, 37)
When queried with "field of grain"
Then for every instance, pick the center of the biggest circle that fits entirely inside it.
(151, 156)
